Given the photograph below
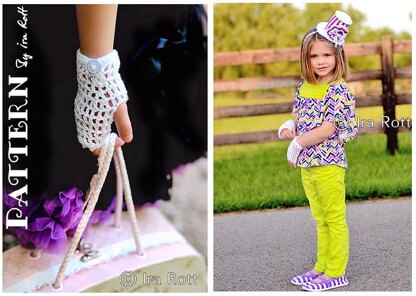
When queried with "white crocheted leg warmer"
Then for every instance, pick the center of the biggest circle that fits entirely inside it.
(100, 92)
(293, 151)
(289, 124)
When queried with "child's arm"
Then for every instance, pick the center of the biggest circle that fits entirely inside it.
(96, 27)
(313, 137)
(317, 135)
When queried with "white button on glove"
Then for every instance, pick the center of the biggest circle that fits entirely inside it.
(293, 151)
(290, 125)
(100, 92)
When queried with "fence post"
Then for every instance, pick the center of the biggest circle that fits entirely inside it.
(389, 96)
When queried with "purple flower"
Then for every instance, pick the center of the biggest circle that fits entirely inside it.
(8, 201)
(66, 208)
(43, 233)
(51, 221)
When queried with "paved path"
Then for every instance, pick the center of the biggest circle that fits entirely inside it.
(261, 251)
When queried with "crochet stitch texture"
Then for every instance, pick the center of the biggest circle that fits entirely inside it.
(100, 91)
(293, 151)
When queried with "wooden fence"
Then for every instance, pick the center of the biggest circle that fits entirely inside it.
(387, 74)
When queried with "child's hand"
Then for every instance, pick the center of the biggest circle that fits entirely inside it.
(293, 152)
(100, 100)
(124, 129)
(292, 165)
(287, 130)
(288, 134)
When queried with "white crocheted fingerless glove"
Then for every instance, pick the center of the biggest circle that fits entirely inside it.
(293, 151)
(290, 125)
(100, 92)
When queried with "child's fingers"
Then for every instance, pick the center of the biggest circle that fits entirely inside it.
(292, 165)
(286, 133)
(122, 120)
(119, 143)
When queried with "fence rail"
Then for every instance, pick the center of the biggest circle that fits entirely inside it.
(257, 83)
(387, 74)
(265, 56)
(286, 107)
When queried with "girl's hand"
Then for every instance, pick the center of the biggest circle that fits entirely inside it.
(100, 100)
(96, 28)
(292, 165)
(293, 152)
(123, 124)
(288, 134)
(287, 130)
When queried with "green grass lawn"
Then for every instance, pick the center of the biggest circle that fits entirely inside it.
(257, 176)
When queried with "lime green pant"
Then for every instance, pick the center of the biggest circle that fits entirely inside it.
(325, 189)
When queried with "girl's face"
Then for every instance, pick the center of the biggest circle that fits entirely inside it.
(322, 60)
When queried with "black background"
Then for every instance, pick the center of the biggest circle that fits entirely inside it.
(168, 108)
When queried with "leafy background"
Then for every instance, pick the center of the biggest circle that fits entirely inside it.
(256, 176)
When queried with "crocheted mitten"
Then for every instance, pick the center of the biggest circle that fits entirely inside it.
(293, 151)
(290, 124)
(100, 92)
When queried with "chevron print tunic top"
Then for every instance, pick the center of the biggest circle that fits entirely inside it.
(315, 103)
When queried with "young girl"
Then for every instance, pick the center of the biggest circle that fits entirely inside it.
(325, 120)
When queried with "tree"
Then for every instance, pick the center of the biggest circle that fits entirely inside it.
(258, 26)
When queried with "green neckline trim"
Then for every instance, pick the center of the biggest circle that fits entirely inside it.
(315, 91)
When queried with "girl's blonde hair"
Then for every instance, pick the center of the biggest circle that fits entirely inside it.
(341, 62)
